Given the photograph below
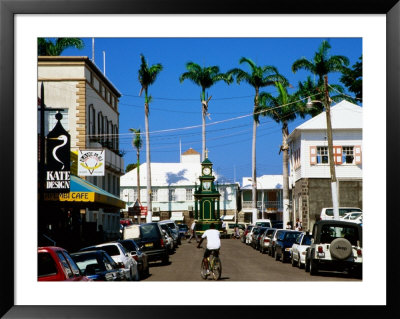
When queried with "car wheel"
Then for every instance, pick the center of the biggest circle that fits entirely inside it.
(307, 266)
(313, 268)
(276, 256)
(165, 260)
(299, 264)
(137, 276)
(293, 262)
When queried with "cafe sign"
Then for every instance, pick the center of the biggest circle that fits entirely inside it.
(91, 162)
(58, 148)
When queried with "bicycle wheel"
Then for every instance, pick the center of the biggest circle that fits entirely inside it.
(203, 271)
(216, 268)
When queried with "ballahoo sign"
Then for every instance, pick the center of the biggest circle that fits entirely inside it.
(91, 162)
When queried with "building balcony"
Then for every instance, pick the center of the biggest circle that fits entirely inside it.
(268, 205)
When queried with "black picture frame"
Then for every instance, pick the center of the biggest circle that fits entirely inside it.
(8, 10)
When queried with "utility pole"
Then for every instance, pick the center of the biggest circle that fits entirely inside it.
(330, 152)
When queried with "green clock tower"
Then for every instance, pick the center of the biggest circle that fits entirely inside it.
(206, 198)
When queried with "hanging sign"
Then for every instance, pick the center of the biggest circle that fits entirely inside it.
(91, 162)
(58, 148)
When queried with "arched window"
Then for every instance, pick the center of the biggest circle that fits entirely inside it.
(111, 135)
(92, 121)
(106, 137)
(116, 138)
(100, 129)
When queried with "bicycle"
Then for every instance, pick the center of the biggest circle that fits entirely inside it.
(214, 266)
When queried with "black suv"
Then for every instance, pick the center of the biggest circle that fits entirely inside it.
(152, 242)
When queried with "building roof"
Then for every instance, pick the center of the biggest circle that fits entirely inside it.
(344, 115)
(85, 59)
(264, 182)
(191, 151)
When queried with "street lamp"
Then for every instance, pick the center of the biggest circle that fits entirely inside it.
(330, 148)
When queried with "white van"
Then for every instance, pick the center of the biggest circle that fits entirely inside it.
(131, 232)
(263, 223)
(327, 212)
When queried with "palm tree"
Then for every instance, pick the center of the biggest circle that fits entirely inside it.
(282, 109)
(321, 65)
(205, 77)
(259, 76)
(137, 143)
(147, 76)
(48, 47)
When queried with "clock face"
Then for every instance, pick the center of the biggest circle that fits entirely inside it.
(206, 186)
(206, 171)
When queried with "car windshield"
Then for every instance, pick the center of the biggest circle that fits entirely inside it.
(129, 245)
(183, 227)
(291, 236)
(87, 259)
(307, 240)
(149, 231)
(112, 250)
(342, 211)
(263, 224)
(330, 232)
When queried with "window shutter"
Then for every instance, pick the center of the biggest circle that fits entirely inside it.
(313, 155)
(337, 153)
(357, 154)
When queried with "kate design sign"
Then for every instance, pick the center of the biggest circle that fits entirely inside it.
(91, 163)
(58, 159)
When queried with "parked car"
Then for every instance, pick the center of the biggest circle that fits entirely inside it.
(131, 232)
(249, 236)
(327, 212)
(271, 250)
(183, 231)
(263, 223)
(353, 217)
(284, 241)
(55, 264)
(265, 240)
(257, 237)
(168, 239)
(152, 241)
(97, 265)
(174, 228)
(121, 256)
(141, 257)
(230, 228)
(336, 246)
(246, 231)
(299, 250)
(170, 233)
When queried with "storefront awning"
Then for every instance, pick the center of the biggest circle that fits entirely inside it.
(177, 218)
(83, 191)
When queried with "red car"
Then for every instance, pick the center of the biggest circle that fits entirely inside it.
(55, 264)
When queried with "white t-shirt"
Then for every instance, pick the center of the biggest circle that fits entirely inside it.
(193, 225)
(213, 241)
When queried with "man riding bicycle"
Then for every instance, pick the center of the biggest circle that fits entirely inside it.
(213, 243)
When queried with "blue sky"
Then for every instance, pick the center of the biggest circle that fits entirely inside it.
(177, 105)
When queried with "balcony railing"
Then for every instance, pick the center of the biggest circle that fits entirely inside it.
(267, 205)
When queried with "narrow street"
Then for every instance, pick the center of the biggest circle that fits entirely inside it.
(239, 263)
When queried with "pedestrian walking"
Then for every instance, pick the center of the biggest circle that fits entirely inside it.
(224, 232)
(288, 226)
(298, 225)
(193, 232)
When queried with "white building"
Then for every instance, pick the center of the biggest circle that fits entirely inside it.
(309, 162)
(91, 116)
(269, 197)
(173, 187)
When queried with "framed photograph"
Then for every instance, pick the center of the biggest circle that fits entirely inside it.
(22, 22)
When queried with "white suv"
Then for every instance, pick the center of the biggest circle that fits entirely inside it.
(327, 212)
(335, 246)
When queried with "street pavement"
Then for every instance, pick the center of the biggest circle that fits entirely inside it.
(239, 263)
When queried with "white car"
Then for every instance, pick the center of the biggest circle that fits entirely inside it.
(121, 256)
(327, 212)
(266, 240)
(169, 241)
(299, 250)
(353, 217)
(249, 235)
